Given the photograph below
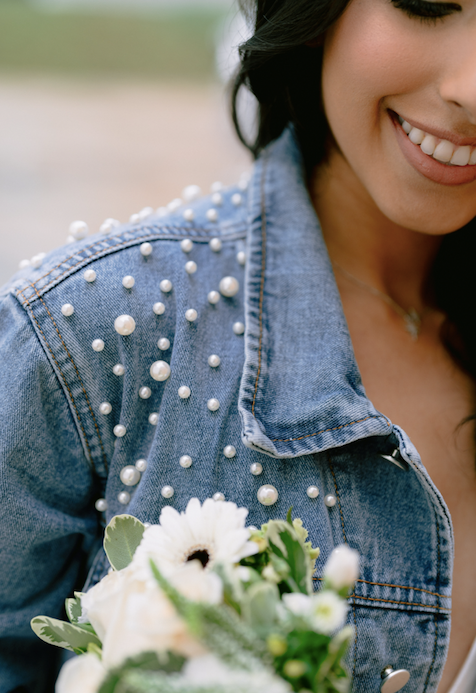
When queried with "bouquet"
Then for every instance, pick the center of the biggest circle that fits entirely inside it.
(202, 604)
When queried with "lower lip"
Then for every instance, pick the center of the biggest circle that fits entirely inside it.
(429, 167)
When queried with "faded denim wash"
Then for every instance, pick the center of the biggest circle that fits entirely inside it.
(290, 398)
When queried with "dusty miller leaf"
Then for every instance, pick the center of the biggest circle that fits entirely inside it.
(63, 634)
(121, 539)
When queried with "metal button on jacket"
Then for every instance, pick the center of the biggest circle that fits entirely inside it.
(393, 679)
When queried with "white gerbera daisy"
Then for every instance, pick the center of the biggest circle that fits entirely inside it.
(210, 533)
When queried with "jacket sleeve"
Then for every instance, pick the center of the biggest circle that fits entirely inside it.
(48, 523)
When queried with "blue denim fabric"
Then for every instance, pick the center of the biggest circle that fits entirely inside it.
(290, 398)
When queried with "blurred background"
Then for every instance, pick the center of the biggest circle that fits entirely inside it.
(109, 106)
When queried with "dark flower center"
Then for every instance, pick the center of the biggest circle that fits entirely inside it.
(201, 555)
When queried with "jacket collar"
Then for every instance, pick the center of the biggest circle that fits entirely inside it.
(301, 390)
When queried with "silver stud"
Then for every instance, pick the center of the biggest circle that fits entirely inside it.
(191, 314)
(101, 505)
(78, 229)
(393, 680)
(118, 369)
(238, 328)
(241, 257)
(218, 496)
(37, 260)
(312, 491)
(229, 286)
(167, 491)
(190, 267)
(128, 282)
(120, 431)
(214, 361)
(108, 225)
(191, 193)
(130, 476)
(98, 345)
(217, 199)
(229, 451)
(67, 309)
(165, 286)
(124, 325)
(184, 392)
(267, 494)
(189, 215)
(216, 186)
(154, 418)
(141, 465)
(213, 404)
(186, 245)
(330, 500)
(215, 245)
(105, 408)
(158, 308)
(236, 199)
(124, 498)
(175, 204)
(146, 249)
(145, 392)
(185, 461)
(160, 370)
(90, 276)
(163, 344)
(212, 215)
(256, 468)
(213, 297)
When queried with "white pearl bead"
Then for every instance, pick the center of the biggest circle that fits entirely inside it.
(145, 213)
(330, 500)
(212, 215)
(312, 491)
(67, 309)
(229, 451)
(217, 199)
(154, 418)
(120, 431)
(78, 229)
(161, 212)
(124, 497)
(190, 267)
(216, 186)
(218, 496)
(101, 505)
(229, 286)
(37, 260)
(163, 344)
(24, 264)
(128, 282)
(124, 325)
(167, 491)
(160, 370)
(118, 369)
(189, 215)
(191, 314)
(134, 218)
(130, 476)
(241, 257)
(215, 244)
(105, 408)
(141, 465)
(267, 494)
(185, 461)
(146, 525)
(213, 404)
(90, 275)
(146, 249)
(175, 204)
(214, 361)
(145, 392)
(98, 345)
(256, 468)
(236, 199)
(238, 328)
(243, 182)
(184, 392)
(213, 297)
(186, 245)
(108, 225)
(165, 286)
(158, 308)
(191, 193)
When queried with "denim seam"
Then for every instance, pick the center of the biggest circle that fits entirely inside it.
(403, 587)
(64, 380)
(430, 670)
(394, 601)
(327, 430)
(79, 379)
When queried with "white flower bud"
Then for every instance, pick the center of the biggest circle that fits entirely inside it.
(342, 567)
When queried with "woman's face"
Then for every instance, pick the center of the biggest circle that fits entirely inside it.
(382, 66)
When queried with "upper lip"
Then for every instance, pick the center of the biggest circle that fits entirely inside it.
(441, 133)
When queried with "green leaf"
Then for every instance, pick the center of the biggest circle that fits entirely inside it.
(121, 539)
(259, 607)
(165, 662)
(289, 516)
(285, 545)
(63, 634)
(73, 608)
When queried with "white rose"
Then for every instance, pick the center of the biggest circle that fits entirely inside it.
(298, 603)
(83, 674)
(210, 671)
(342, 567)
(328, 612)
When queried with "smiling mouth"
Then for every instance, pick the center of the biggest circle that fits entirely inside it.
(442, 150)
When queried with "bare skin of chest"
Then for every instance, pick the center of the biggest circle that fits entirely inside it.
(417, 385)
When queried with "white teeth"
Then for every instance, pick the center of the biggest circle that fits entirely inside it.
(472, 158)
(444, 151)
(406, 126)
(461, 156)
(428, 145)
(416, 136)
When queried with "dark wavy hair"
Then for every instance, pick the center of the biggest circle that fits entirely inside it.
(281, 65)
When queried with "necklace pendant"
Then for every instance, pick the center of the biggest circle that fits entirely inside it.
(413, 323)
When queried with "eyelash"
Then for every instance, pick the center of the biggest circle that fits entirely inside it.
(426, 10)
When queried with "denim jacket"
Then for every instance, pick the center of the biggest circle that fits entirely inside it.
(286, 396)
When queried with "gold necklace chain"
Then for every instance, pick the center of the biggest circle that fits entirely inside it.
(411, 317)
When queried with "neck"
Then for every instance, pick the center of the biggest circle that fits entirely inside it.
(360, 238)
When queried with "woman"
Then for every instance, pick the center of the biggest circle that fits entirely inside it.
(148, 365)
